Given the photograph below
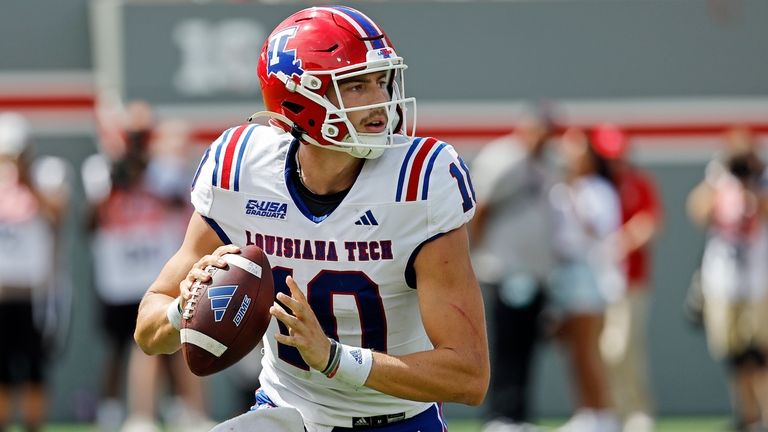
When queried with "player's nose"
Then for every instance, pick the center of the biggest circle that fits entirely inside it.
(377, 94)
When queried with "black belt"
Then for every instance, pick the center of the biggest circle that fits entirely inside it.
(376, 421)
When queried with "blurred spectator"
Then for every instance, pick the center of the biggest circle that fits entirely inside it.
(587, 277)
(138, 221)
(732, 203)
(623, 341)
(513, 256)
(32, 204)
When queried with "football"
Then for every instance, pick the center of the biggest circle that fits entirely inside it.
(226, 318)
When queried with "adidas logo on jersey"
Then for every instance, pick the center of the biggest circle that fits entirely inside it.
(361, 421)
(367, 219)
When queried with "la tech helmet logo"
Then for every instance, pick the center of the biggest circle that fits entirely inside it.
(282, 60)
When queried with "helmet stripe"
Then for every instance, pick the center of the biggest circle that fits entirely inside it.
(364, 25)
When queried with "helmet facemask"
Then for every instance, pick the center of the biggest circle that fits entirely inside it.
(337, 129)
(400, 112)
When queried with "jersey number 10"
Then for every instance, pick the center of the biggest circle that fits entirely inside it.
(320, 292)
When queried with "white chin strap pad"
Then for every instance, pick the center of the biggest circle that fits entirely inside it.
(364, 152)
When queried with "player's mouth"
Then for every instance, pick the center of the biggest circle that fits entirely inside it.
(376, 125)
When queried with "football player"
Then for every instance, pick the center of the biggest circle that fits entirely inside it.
(379, 317)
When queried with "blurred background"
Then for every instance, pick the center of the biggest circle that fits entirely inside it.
(674, 75)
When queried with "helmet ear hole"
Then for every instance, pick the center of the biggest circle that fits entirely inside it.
(292, 107)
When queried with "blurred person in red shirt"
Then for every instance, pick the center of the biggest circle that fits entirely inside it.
(623, 341)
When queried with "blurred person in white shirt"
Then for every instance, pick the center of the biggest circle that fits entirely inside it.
(731, 202)
(588, 276)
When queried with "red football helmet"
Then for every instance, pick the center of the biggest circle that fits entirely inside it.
(307, 55)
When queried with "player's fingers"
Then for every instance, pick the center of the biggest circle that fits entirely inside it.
(295, 290)
(291, 303)
(285, 340)
(198, 274)
(284, 317)
(185, 289)
(221, 250)
(210, 261)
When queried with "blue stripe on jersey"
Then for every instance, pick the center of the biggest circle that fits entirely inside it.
(222, 144)
(220, 232)
(404, 168)
(200, 167)
(240, 156)
(469, 178)
(430, 164)
(365, 23)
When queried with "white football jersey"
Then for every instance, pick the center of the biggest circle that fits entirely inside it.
(26, 236)
(355, 265)
(136, 235)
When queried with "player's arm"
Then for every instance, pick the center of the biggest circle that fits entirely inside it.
(458, 368)
(154, 333)
(644, 226)
(700, 203)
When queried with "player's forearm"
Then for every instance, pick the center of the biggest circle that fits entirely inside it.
(441, 374)
(154, 333)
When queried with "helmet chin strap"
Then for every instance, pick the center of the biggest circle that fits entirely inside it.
(355, 151)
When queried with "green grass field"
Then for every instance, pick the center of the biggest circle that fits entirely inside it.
(699, 424)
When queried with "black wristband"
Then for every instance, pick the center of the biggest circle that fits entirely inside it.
(331, 357)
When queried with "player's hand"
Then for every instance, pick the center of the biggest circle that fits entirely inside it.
(304, 331)
(199, 274)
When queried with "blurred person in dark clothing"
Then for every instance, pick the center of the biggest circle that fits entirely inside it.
(513, 255)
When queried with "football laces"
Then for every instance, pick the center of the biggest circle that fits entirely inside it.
(189, 307)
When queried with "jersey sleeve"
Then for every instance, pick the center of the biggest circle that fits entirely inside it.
(220, 167)
(202, 184)
(451, 196)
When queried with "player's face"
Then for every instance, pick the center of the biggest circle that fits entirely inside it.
(363, 90)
